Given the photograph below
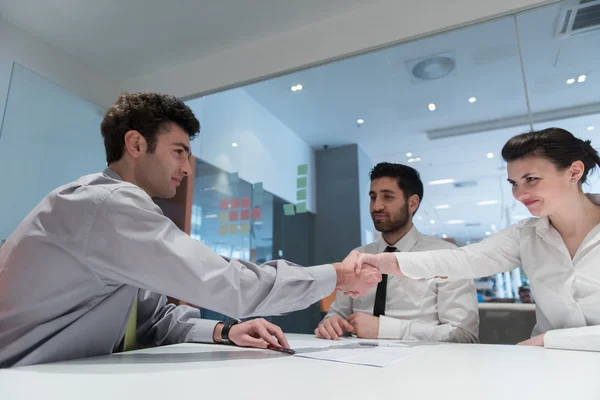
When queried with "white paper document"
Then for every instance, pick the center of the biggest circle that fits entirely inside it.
(352, 352)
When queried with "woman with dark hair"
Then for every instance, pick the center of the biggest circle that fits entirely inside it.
(559, 250)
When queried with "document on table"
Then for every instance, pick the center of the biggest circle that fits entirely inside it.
(353, 352)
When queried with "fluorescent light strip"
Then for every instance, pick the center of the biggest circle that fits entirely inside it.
(488, 202)
(441, 182)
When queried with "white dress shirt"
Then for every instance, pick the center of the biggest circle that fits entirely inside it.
(70, 272)
(566, 291)
(427, 310)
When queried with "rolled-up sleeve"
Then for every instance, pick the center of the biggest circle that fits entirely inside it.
(132, 242)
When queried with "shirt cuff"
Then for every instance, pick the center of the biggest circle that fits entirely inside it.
(391, 328)
(586, 338)
(326, 279)
(202, 331)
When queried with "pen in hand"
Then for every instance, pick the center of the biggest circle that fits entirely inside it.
(281, 349)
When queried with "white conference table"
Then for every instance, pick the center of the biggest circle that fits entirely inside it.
(203, 371)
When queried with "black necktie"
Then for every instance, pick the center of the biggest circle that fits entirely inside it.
(379, 307)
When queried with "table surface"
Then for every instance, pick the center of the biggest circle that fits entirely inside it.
(203, 371)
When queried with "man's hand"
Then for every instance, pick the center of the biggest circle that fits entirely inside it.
(332, 328)
(365, 326)
(534, 341)
(387, 263)
(254, 333)
(355, 284)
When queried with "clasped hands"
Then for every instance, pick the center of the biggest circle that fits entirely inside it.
(360, 272)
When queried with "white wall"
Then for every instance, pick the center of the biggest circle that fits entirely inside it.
(369, 26)
(267, 152)
(22, 48)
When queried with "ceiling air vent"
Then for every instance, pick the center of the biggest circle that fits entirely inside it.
(578, 17)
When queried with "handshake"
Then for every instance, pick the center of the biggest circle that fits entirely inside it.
(358, 273)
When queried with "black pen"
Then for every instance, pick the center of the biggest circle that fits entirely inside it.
(281, 349)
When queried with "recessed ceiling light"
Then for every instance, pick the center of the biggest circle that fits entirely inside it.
(444, 236)
(490, 155)
(414, 159)
(487, 202)
(234, 144)
(296, 88)
(488, 233)
(408, 154)
(454, 222)
(431, 107)
(581, 78)
(441, 181)
(442, 207)
(472, 99)
(591, 128)
(432, 221)
(210, 216)
(570, 81)
(360, 121)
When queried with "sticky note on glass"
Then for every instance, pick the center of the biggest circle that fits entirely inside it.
(233, 229)
(235, 203)
(233, 216)
(256, 213)
(223, 230)
(245, 228)
(288, 209)
(300, 208)
(301, 195)
(245, 215)
(302, 169)
(224, 216)
(224, 204)
(246, 202)
(301, 182)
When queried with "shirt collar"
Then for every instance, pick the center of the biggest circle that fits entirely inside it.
(407, 242)
(112, 174)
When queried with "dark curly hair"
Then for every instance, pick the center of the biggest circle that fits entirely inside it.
(408, 178)
(147, 113)
(556, 145)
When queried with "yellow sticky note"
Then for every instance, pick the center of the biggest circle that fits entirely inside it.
(233, 229)
(223, 230)
(245, 228)
(223, 216)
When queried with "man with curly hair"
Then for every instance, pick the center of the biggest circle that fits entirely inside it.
(87, 272)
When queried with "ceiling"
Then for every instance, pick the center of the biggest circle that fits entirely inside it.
(379, 88)
(159, 35)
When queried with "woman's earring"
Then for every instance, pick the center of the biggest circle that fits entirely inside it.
(573, 180)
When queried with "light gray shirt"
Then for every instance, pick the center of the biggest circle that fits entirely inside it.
(428, 310)
(70, 272)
